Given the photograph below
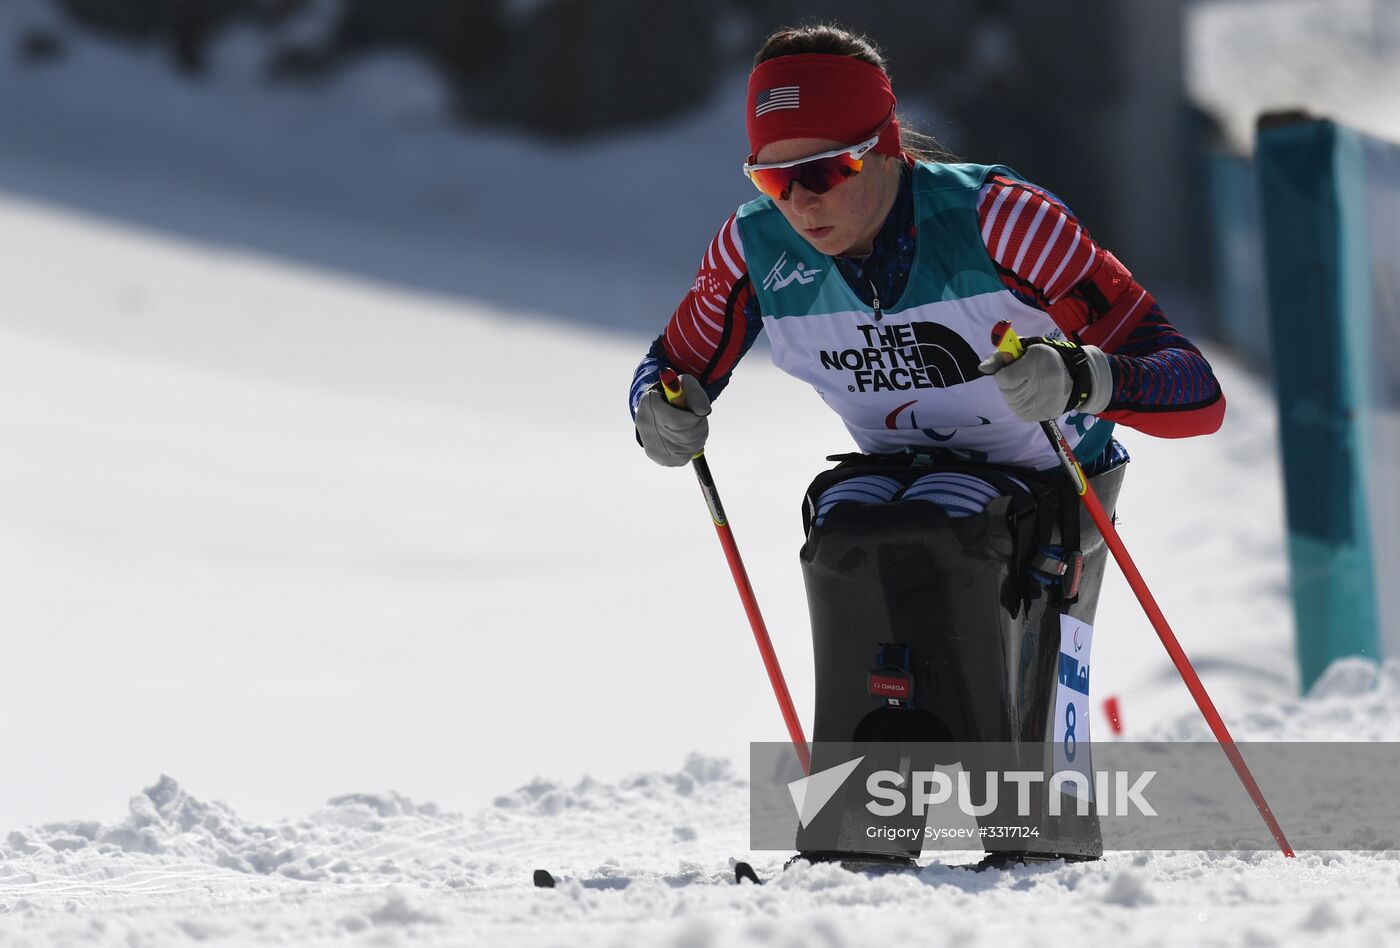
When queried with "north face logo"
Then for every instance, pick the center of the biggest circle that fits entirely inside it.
(900, 358)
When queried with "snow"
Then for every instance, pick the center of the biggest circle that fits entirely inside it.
(1334, 58)
(300, 511)
(1354, 700)
(639, 861)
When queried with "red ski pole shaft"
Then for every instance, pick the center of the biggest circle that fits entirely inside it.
(1005, 339)
(671, 387)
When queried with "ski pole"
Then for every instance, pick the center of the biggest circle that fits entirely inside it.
(671, 387)
(1006, 340)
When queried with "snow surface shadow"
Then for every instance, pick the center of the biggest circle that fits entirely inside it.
(606, 233)
(574, 285)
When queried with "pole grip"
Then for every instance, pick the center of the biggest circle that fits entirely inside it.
(1006, 340)
(671, 388)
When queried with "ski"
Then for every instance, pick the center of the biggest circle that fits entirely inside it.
(745, 872)
(544, 879)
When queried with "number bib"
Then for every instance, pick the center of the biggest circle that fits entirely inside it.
(1071, 724)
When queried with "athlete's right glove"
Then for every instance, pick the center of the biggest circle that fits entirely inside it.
(1052, 377)
(672, 435)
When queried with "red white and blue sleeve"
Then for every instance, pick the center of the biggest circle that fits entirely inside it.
(1162, 385)
(715, 324)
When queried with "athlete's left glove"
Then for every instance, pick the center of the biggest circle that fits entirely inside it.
(1052, 377)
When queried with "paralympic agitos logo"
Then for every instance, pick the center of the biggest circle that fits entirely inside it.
(900, 358)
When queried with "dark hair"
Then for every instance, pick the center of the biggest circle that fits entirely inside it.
(837, 41)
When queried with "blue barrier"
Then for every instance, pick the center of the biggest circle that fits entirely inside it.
(1330, 202)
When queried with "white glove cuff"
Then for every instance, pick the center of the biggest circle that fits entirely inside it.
(1102, 390)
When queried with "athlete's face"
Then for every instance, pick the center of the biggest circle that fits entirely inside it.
(845, 219)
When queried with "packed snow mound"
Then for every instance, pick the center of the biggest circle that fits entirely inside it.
(381, 869)
(165, 820)
(1356, 699)
(353, 837)
(643, 860)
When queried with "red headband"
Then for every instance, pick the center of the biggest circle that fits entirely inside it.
(817, 95)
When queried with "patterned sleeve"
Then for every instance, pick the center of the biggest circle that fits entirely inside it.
(715, 324)
(1162, 385)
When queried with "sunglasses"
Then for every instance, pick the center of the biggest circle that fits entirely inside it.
(817, 173)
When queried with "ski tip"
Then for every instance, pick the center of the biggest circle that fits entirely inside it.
(742, 871)
(543, 880)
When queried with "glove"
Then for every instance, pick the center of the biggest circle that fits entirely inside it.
(673, 435)
(1052, 377)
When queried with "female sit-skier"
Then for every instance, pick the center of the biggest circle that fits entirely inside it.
(947, 565)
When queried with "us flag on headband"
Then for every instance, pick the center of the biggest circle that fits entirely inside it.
(771, 100)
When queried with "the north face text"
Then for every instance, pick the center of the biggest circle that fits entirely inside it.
(899, 358)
